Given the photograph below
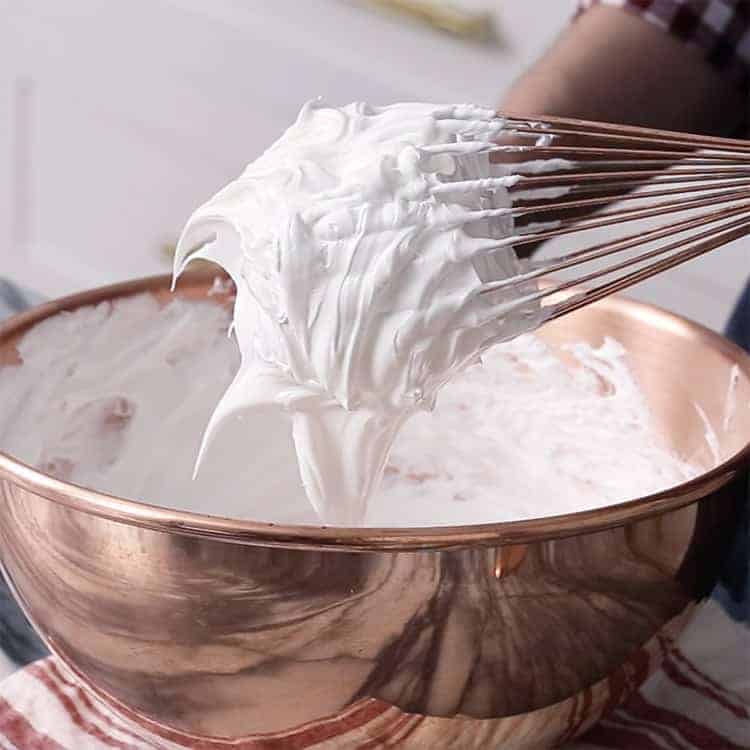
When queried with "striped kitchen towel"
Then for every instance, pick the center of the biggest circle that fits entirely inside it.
(699, 700)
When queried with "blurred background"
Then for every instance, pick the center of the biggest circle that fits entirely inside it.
(117, 119)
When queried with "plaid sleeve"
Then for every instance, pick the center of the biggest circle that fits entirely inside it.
(720, 28)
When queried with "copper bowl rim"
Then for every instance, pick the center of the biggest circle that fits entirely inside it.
(166, 520)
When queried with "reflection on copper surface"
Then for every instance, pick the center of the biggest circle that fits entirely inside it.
(508, 558)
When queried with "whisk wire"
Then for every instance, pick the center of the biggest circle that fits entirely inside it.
(604, 290)
(557, 171)
(605, 249)
(567, 126)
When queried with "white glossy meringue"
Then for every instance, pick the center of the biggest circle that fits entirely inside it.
(358, 275)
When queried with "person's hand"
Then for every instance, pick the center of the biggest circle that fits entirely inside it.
(613, 66)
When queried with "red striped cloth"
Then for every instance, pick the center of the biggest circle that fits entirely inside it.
(699, 700)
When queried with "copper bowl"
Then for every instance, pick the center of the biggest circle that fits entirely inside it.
(512, 633)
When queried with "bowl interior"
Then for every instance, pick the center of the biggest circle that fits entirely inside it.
(696, 383)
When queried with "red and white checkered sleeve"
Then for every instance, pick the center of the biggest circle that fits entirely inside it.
(720, 28)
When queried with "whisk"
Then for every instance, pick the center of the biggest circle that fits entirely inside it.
(696, 188)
